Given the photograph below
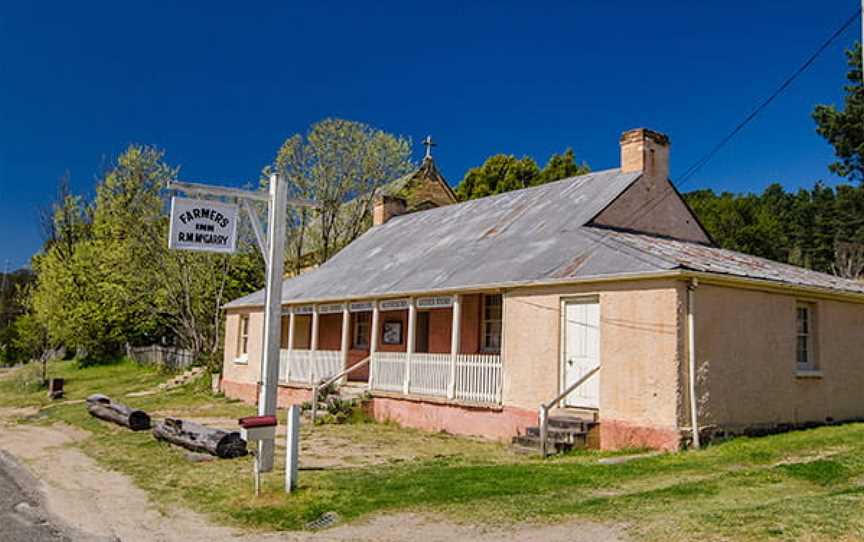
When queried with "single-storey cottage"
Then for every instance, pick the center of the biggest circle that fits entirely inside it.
(468, 317)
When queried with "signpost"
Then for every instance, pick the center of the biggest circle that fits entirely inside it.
(222, 238)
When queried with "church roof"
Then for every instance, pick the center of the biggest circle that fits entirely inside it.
(535, 235)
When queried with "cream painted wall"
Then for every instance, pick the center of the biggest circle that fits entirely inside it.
(250, 371)
(640, 348)
(745, 351)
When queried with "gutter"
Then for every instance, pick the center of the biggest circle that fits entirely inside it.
(599, 279)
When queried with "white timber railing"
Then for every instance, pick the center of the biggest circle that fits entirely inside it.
(477, 376)
(308, 366)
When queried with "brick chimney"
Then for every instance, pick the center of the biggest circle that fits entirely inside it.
(646, 151)
(385, 207)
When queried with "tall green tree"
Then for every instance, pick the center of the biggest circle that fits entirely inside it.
(502, 173)
(844, 128)
(336, 162)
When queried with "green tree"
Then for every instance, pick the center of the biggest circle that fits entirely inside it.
(844, 128)
(502, 173)
(337, 161)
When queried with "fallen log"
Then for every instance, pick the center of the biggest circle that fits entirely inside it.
(101, 406)
(199, 438)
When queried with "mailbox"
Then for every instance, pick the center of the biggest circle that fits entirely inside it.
(257, 428)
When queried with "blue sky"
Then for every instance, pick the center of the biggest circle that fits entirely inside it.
(219, 85)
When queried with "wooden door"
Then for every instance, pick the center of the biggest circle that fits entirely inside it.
(581, 351)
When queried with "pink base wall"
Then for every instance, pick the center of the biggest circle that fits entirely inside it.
(499, 424)
(462, 420)
(615, 435)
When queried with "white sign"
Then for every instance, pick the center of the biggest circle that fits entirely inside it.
(304, 309)
(434, 302)
(331, 309)
(393, 304)
(360, 306)
(207, 226)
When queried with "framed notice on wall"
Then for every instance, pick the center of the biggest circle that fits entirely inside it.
(392, 333)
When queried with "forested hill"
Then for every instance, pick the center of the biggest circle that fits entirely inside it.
(821, 228)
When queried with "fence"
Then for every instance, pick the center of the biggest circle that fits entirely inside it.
(478, 376)
(308, 366)
(166, 356)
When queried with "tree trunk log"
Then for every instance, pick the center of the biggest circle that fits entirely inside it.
(198, 438)
(103, 407)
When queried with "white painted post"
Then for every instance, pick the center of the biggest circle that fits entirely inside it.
(313, 347)
(346, 338)
(272, 311)
(292, 447)
(291, 325)
(373, 341)
(409, 346)
(455, 331)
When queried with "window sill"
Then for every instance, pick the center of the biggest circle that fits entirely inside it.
(808, 373)
(242, 360)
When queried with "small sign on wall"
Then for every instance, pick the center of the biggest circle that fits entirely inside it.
(203, 225)
(360, 306)
(438, 302)
(393, 304)
(332, 308)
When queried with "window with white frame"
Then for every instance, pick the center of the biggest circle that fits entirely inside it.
(362, 325)
(805, 327)
(492, 310)
(243, 338)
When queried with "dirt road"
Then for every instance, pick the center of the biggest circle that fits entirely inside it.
(83, 498)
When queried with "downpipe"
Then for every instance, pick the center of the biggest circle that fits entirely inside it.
(691, 354)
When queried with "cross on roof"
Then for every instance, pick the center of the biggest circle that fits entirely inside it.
(429, 144)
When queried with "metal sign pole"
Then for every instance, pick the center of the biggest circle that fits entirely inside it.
(277, 203)
(272, 312)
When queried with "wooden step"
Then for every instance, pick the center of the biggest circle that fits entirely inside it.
(529, 441)
(557, 435)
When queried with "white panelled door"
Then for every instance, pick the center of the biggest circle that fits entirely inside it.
(582, 351)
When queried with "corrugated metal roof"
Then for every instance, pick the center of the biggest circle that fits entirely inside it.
(523, 235)
(532, 235)
(707, 259)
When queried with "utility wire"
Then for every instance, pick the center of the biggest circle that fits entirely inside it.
(647, 207)
(705, 159)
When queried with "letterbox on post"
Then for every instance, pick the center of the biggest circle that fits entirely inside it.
(257, 428)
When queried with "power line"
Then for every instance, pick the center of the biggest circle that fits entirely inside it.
(801, 69)
(648, 206)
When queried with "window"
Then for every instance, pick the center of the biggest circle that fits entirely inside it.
(491, 323)
(805, 352)
(362, 324)
(243, 340)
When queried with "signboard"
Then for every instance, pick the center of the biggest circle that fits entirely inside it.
(393, 304)
(331, 309)
(360, 306)
(304, 309)
(203, 225)
(437, 302)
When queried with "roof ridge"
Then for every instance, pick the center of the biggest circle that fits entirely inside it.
(509, 193)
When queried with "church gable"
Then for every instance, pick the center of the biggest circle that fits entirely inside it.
(426, 188)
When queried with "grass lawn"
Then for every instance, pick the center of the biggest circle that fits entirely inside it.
(806, 485)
